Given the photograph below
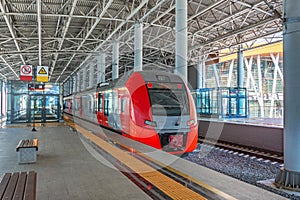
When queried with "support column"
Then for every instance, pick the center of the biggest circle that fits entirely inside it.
(181, 39)
(240, 78)
(289, 176)
(260, 88)
(78, 81)
(230, 73)
(84, 81)
(138, 46)
(217, 78)
(204, 72)
(91, 75)
(69, 86)
(240, 64)
(1, 97)
(6, 99)
(101, 68)
(115, 61)
(74, 84)
(200, 73)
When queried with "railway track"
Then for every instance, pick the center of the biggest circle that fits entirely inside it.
(274, 157)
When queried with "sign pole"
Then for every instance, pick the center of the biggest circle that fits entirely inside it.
(34, 103)
(33, 120)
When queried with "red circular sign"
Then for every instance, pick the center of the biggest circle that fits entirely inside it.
(25, 69)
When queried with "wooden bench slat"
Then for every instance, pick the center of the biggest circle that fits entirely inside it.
(21, 143)
(18, 186)
(19, 192)
(4, 183)
(33, 143)
(30, 190)
(26, 143)
(29, 143)
(9, 192)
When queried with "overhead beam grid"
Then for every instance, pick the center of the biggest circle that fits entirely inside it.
(67, 35)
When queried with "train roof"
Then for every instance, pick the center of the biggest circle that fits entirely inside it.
(149, 76)
(160, 76)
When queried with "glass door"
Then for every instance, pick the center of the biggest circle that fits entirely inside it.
(52, 108)
(19, 107)
(37, 108)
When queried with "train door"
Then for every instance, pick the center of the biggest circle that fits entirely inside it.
(107, 108)
(124, 113)
(100, 113)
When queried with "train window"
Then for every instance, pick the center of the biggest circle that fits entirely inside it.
(95, 105)
(106, 107)
(107, 103)
(170, 102)
(123, 105)
(90, 106)
(100, 102)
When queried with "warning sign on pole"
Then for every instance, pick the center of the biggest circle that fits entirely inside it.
(42, 74)
(26, 73)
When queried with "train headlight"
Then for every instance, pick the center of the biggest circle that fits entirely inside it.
(151, 123)
(191, 122)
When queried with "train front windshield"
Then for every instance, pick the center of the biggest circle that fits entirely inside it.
(168, 99)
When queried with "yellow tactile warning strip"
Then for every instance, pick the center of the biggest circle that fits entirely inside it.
(187, 177)
(24, 125)
(202, 184)
(167, 185)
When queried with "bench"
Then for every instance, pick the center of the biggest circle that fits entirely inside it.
(18, 186)
(27, 150)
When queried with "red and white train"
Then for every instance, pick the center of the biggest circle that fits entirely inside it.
(155, 108)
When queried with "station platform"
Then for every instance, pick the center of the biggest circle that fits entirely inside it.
(65, 169)
(68, 168)
(255, 121)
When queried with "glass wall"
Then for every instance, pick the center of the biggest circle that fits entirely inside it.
(3, 101)
(263, 79)
(30, 102)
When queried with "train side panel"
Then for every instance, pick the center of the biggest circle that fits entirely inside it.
(126, 107)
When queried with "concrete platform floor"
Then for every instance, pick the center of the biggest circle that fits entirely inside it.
(65, 168)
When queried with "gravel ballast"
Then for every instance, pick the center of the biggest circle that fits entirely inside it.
(246, 168)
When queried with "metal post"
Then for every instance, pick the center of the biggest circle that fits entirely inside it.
(1, 109)
(216, 75)
(84, 83)
(230, 73)
(39, 15)
(91, 75)
(260, 88)
(78, 81)
(74, 84)
(101, 68)
(240, 84)
(204, 73)
(115, 61)
(34, 102)
(1, 103)
(240, 73)
(181, 39)
(200, 73)
(288, 177)
(138, 46)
